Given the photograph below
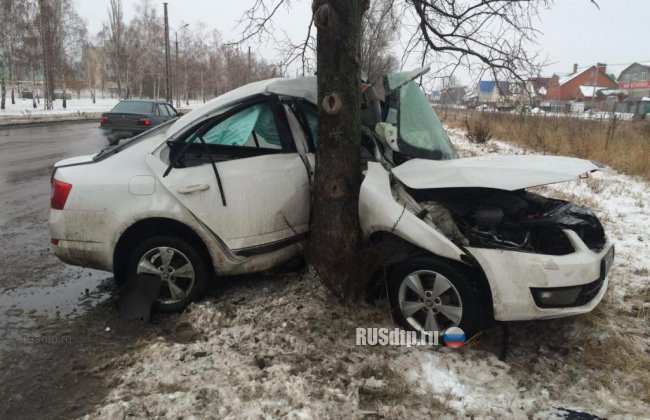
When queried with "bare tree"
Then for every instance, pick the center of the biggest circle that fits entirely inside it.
(493, 34)
(47, 29)
(71, 38)
(379, 26)
(116, 41)
(5, 17)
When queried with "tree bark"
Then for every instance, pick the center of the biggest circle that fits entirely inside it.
(48, 88)
(11, 74)
(65, 100)
(3, 87)
(34, 90)
(335, 237)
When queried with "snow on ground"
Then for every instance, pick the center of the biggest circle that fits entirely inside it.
(280, 346)
(23, 107)
(22, 110)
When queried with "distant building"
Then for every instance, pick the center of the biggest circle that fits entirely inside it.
(491, 92)
(453, 95)
(635, 80)
(564, 88)
(537, 87)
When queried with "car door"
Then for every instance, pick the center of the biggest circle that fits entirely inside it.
(306, 117)
(172, 111)
(264, 193)
(162, 113)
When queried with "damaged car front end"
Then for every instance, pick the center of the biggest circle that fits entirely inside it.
(486, 239)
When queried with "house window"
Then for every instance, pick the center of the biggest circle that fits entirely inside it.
(644, 76)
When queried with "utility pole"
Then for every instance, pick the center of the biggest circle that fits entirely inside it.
(168, 76)
(176, 84)
(250, 68)
(178, 93)
(593, 92)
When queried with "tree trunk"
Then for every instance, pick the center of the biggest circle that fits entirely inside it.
(34, 89)
(65, 100)
(3, 87)
(11, 75)
(335, 238)
(48, 88)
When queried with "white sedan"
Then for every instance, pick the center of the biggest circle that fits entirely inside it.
(225, 190)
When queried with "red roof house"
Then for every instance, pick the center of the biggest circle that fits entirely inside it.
(565, 87)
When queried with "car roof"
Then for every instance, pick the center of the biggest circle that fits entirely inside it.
(299, 87)
(145, 100)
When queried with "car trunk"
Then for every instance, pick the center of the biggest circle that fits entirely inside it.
(122, 121)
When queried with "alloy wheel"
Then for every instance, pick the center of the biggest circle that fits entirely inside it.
(429, 301)
(174, 270)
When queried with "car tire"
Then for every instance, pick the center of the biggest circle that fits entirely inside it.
(426, 290)
(113, 140)
(180, 265)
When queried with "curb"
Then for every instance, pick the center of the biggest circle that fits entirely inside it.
(10, 122)
(18, 121)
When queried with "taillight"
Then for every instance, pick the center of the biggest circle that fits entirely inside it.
(144, 121)
(60, 192)
(103, 120)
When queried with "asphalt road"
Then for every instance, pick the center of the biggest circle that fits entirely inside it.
(58, 323)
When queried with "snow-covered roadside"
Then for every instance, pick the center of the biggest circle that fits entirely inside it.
(22, 111)
(280, 346)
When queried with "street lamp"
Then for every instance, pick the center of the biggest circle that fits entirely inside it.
(178, 95)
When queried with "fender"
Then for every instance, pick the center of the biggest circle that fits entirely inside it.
(380, 212)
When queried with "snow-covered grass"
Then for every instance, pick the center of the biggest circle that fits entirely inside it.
(282, 347)
(23, 107)
(23, 111)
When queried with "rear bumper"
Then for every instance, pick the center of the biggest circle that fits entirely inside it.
(518, 279)
(121, 133)
(82, 238)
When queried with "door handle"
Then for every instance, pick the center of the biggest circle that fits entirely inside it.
(193, 188)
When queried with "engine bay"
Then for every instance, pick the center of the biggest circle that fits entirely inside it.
(514, 220)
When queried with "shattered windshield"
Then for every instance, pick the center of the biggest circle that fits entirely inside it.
(397, 80)
(421, 133)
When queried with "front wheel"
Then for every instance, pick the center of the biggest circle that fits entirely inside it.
(179, 265)
(427, 294)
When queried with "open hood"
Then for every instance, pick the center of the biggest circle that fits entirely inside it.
(504, 172)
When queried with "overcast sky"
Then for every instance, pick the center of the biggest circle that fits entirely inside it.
(574, 31)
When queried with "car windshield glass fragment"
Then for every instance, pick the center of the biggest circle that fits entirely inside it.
(252, 127)
(397, 80)
(421, 132)
(134, 107)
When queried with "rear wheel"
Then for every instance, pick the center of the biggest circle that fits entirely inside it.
(428, 294)
(179, 265)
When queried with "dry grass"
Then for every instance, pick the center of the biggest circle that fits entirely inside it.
(623, 145)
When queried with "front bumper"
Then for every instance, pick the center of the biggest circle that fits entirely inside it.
(528, 286)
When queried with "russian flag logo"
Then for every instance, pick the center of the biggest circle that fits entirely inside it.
(454, 338)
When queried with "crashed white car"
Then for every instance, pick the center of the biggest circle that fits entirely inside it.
(225, 190)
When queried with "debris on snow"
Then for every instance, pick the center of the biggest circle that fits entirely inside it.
(282, 347)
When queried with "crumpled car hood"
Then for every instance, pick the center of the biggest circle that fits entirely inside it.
(505, 172)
